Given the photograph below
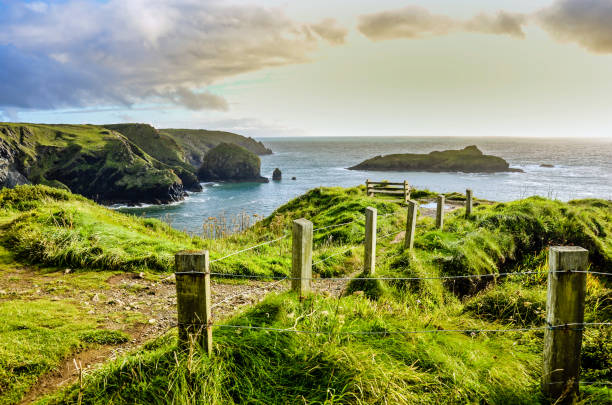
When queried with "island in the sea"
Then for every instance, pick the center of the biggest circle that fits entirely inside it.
(467, 160)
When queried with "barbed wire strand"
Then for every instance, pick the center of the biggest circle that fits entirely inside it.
(329, 257)
(406, 332)
(334, 226)
(392, 278)
(231, 297)
(250, 248)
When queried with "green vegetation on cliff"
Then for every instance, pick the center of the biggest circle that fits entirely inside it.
(89, 160)
(197, 142)
(468, 160)
(230, 162)
(118, 163)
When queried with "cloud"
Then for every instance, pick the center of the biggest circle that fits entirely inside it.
(78, 53)
(585, 22)
(418, 22)
(502, 23)
(329, 30)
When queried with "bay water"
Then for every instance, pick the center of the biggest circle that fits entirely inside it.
(582, 169)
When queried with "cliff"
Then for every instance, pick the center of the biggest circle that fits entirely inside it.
(90, 160)
(197, 142)
(230, 162)
(184, 149)
(467, 160)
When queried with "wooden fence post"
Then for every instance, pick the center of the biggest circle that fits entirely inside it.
(369, 260)
(564, 305)
(193, 299)
(440, 212)
(406, 191)
(301, 263)
(410, 225)
(468, 202)
(368, 188)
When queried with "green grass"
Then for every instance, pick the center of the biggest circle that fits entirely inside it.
(255, 366)
(35, 335)
(50, 227)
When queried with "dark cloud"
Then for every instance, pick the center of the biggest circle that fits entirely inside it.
(586, 22)
(85, 52)
(331, 31)
(418, 22)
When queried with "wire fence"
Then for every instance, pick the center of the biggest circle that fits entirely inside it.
(566, 326)
(504, 274)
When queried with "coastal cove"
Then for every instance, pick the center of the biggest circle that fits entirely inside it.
(582, 169)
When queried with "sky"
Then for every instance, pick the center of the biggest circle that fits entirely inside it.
(538, 68)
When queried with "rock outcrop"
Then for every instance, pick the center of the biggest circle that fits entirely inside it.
(467, 160)
(230, 162)
(277, 175)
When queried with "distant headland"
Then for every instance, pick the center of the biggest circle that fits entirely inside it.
(120, 163)
(467, 160)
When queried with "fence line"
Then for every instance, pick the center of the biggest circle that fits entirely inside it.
(408, 332)
(334, 226)
(518, 273)
(566, 293)
(250, 248)
(231, 297)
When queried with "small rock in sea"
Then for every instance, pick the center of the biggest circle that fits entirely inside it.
(277, 175)
(547, 165)
(67, 271)
(293, 178)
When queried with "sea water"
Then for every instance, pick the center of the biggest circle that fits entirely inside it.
(583, 169)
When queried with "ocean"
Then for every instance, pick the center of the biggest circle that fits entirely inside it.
(583, 169)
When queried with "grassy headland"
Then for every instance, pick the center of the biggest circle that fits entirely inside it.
(334, 367)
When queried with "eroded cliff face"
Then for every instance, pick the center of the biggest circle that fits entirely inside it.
(89, 160)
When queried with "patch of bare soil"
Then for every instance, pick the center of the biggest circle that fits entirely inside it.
(143, 309)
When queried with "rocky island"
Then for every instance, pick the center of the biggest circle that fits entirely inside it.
(230, 162)
(467, 160)
(119, 163)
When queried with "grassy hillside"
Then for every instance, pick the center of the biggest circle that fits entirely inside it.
(50, 227)
(326, 365)
(89, 160)
(196, 142)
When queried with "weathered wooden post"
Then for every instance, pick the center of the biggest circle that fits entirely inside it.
(410, 225)
(301, 263)
(193, 299)
(564, 305)
(406, 191)
(368, 188)
(369, 260)
(440, 212)
(468, 202)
